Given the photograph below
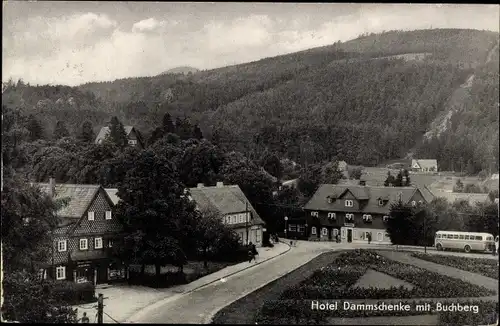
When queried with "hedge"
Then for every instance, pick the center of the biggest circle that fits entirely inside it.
(74, 293)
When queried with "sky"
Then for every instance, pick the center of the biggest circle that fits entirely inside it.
(72, 43)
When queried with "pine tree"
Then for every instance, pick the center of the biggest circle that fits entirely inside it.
(87, 133)
(197, 132)
(407, 182)
(117, 134)
(60, 130)
(167, 124)
(389, 181)
(35, 128)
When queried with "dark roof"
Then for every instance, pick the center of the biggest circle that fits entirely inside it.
(80, 197)
(224, 199)
(319, 201)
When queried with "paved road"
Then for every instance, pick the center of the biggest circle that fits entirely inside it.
(200, 305)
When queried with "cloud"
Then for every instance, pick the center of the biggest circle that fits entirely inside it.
(89, 46)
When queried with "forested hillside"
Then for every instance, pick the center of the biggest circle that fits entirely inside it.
(363, 101)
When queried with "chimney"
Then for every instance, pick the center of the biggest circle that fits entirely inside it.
(199, 185)
(52, 187)
(362, 182)
(220, 184)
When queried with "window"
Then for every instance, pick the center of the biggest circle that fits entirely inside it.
(367, 218)
(60, 273)
(385, 218)
(108, 215)
(461, 237)
(332, 216)
(420, 202)
(450, 236)
(314, 214)
(380, 237)
(301, 228)
(257, 236)
(386, 235)
(335, 232)
(349, 216)
(467, 237)
(329, 200)
(42, 274)
(380, 202)
(84, 244)
(132, 142)
(478, 237)
(62, 245)
(455, 236)
(292, 227)
(324, 231)
(414, 203)
(91, 216)
(349, 203)
(354, 234)
(313, 230)
(26, 221)
(228, 219)
(98, 243)
(110, 243)
(342, 233)
(242, 218)
(233, 219)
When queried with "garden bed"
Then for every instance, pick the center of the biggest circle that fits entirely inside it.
(482, 266)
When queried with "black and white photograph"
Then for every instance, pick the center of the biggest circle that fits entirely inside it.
(250, 163)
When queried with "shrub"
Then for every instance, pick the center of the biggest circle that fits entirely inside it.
(75, 293)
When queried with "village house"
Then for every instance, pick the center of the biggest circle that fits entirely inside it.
(424, 165)
(133, 135)
(83, 241)
(235, 209)
(352, 211)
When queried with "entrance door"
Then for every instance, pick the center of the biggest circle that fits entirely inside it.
(349, 235)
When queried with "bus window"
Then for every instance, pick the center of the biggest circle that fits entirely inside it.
(438, 236)
(450, 236)
(455, 236)
(461, 237)
(478, 237)
(466, 237)
(489, 238)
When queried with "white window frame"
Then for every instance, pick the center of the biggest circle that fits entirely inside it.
(349, 203)
(91, 216)
(380, 202)
(324, 231)
(314, 214)
(313, 230)
(367, 218)
(109, 215)
(228, 219)
(301, 228)
(42, 274)
(64, 243)
(330, 200)
(380, 236)
(258, 236)
(96, 242)
(385, 218)
(86, 241)
(60, 272)
(413, 203)
(332, 216)
(349, 216)
(343, 233)
(132, 141)
(292, 227)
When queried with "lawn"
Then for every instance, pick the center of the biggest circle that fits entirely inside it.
(482, 266)
(351, 276)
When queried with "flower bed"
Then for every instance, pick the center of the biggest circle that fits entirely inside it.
(482, 266)
(335, 281)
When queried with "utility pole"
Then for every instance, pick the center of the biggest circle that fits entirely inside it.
(100, 308)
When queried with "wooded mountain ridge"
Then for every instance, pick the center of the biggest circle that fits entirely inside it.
(363, 101)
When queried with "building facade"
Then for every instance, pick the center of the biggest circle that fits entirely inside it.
(424, 166)
(83, 242)
(234, 208)
(349, 213)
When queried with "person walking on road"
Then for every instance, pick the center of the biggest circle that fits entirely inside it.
(369, 237)
(85, 319)
(252, 252)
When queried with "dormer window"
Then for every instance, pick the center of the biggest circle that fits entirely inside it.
(349, 217)
(332, 216)
(349, 203)
(367, 218)
(385, 218)
(380, 202)
(314, 214)
(420, 202)
(330, 200)
(414, 203)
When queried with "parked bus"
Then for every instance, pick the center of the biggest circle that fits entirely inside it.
(467, 241)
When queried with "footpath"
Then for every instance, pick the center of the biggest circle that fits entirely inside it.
(122, 300)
